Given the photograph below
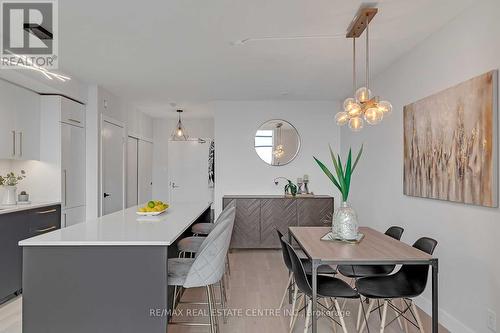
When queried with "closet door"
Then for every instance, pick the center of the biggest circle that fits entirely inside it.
(132, 169)
(145, 171)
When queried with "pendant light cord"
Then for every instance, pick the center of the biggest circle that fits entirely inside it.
(354, 66)
(367, 57)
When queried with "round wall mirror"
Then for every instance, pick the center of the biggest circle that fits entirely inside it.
(277, 142)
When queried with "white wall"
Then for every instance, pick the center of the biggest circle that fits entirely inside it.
(468, 235)
(162, 129)
(39, 186)
(239, 170)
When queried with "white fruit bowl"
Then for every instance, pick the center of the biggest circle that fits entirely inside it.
(151, 213)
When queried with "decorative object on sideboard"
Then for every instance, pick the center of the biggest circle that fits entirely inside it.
(362, 106)
(289, 189)
(23, 198)
(9, 183)
(300, 182)
(277, 142)
(450, 144)
(345, 220)
(179, 133)
(306, 185)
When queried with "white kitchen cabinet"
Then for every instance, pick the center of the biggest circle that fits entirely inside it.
(72, 216)
(20, 123)
(72, 165)
(72, 112)
(63, 145)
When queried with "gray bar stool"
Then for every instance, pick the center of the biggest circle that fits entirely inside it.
(205, 270)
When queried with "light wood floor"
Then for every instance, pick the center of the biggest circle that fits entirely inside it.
(257, 282)
(258, 279)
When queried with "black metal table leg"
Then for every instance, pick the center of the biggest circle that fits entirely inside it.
(314, 317)
(290, 272)
(435, 307)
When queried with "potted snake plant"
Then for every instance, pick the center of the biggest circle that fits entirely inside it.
(345, 219)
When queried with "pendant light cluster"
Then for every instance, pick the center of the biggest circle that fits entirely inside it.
(279, 151)
(363, 106)
(179, 133)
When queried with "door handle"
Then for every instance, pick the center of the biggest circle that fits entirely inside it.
(65, 188)
(13, 143)
(174, 186)
(20, 143)
(107, 194)
(46, 229)
(48, 211)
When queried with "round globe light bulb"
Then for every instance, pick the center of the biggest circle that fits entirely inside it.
(363, 94)
(355, 110)
(348, 103)
(373, 116)
(385, 107)
(356, 124)
(341, 118)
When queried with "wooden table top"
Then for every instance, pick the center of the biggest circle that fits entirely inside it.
(375, 247)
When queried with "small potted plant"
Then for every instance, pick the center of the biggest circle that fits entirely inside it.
(9, 183)
(23, 197)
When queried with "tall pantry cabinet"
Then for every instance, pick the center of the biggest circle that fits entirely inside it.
(63, 126)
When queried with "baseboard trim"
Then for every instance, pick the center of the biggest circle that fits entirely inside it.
(451, 323)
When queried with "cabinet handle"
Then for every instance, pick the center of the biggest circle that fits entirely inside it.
(74, 120)
(20, 143)
(47, 211)
(46, 229)
(65, 188)
(13, 143)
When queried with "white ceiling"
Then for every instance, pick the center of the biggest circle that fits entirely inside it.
(151, 53)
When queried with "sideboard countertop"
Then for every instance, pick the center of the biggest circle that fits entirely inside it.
(273, 196)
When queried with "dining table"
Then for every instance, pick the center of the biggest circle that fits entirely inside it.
(375, 248)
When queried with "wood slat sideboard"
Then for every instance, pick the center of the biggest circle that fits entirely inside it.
(258, 216)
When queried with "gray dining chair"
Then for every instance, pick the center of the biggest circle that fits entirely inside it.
(205, 270)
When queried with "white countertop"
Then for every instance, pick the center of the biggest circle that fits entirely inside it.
(124, 228)
(4, 209)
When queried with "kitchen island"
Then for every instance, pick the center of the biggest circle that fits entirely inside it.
(104, 275)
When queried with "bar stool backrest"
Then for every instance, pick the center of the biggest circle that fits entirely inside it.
(226, 211)
(210, 262)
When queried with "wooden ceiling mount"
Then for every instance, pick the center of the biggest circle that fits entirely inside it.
(361, 21)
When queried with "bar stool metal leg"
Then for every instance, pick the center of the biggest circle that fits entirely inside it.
(210, 310)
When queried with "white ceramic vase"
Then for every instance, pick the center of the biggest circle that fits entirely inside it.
(345, 222)
(9, 195)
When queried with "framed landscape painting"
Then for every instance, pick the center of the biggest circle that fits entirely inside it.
(450, 143)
